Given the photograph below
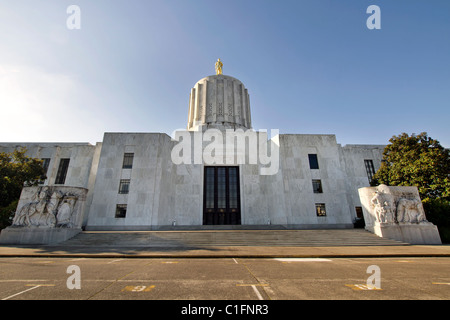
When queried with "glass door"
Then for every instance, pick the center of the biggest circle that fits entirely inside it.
(221, 204)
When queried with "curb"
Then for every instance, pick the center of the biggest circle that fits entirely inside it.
(100, 256)
(227, 252)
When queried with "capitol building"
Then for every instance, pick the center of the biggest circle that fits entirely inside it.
(217, 172)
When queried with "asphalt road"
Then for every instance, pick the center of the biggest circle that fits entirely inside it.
(224, 279)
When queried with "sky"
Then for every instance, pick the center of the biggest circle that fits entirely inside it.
(310, 66)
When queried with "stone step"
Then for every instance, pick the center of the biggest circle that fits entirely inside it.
(210, 238)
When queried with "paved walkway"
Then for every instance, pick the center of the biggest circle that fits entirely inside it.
(228, 243)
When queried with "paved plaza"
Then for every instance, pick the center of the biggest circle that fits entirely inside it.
(223, 279)
(227, 265)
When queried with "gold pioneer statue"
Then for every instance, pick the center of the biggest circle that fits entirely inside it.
(219, 66)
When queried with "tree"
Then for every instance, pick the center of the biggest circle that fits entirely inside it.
(16, 171)
(416, 160)
(420, 161)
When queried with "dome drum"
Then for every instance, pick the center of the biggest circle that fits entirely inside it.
(219, 101)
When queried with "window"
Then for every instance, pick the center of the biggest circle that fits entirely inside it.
(369, 169)
(128, 160)
(313, 163)
(124, 186)
(320, 210)
(62, 171)
(317, 186)
(45, 164)
(359, 212)
(121, 211)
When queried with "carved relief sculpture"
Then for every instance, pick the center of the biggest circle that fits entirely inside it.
(410, 211)
(383, 207)
(396, 212)
(390, 208)
(51, 207)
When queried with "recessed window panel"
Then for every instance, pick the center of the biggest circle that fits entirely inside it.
(320, 210)
(124, 186)
(317, 186)
(121, 211)
(313, 162)
(128, 160)
(62, 171)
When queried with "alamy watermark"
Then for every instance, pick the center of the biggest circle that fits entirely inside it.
(374, 281)
(374, 21)
(74, 280)
(74, 20)
(229, 147)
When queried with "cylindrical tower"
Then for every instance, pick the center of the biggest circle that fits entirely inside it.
(221, 102)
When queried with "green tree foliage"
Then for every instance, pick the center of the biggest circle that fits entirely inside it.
(16, 171)
(438, 212)
(420, 161)
(416, 160)
(7, 214)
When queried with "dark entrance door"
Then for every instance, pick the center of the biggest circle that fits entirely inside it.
(221, 200)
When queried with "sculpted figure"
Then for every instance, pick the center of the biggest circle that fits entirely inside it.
(409, 211)
(27, 210)
(383, 207)
(219, 66)
(37, 213)
(22, 217)
(50, 207)
(64, 214)
(42, 217)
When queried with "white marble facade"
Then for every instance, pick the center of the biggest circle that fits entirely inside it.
(153, 192)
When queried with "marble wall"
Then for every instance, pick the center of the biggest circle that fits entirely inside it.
(162, 193)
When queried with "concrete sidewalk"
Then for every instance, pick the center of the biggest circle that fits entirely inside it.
(226, 252)
(227, 244)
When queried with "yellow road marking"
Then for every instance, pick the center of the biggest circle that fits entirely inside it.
(362, 287)
(138, 288)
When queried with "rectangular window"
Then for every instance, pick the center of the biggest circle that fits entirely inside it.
(317, 186)
(121, 211)
(209, 187)
(45, 165)
(124, 186)
(313, 162)
(320, 210)
(359, 212)
(62, 171)
(128, 160)
(369, 169)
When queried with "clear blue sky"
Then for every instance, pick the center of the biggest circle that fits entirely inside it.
(311, 66)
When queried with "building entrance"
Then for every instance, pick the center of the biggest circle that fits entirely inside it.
(221, 197)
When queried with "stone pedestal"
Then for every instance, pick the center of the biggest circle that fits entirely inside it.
(397, 213)
(12, 235)
(46, 215)
(423, 233)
